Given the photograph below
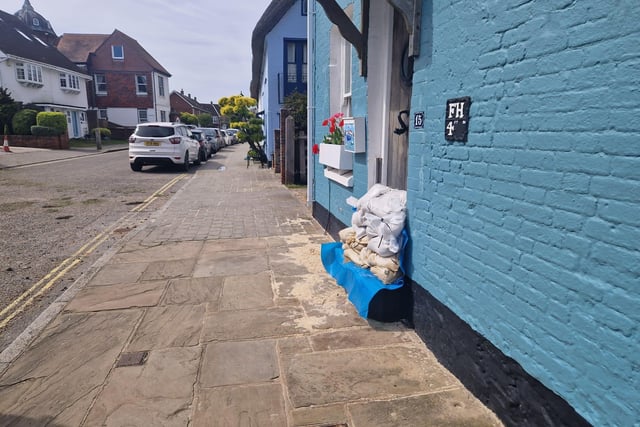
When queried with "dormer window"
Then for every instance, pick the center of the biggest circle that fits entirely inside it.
(36, 22)
(117, 52)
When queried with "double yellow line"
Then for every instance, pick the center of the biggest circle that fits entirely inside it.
(23, 301)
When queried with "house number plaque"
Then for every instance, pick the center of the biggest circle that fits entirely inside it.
(457, 119)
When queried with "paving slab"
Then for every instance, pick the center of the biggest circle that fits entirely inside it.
(247, 291)
(158, 393)
(231, 263)
(329, 377)
(254, 405)
(168, 326)
(455, 407)
(65, 367)
(252, 324)
(244, 362)
(112, 297)
(190, 291)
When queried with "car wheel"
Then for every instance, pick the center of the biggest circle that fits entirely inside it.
(136, 166)
(185, 165)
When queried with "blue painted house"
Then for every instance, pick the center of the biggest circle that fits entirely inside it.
(279, 64)
(514, 127)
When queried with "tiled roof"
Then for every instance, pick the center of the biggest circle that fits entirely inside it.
(77, 47)
(18, 40)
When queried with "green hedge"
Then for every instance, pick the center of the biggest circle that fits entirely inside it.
(104, 133)
(23, 120)
(58, 121)
(44, 131)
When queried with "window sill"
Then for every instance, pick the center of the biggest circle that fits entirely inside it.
(342, 177)
(68, 90)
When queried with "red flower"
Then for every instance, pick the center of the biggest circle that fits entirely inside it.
(315, 149)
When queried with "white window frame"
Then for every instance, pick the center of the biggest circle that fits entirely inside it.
(140, 84)
(161, 86)
(113, 52)
(163, 116)
(143, 115)
(69, 82)
(29, 73)
(98, 83)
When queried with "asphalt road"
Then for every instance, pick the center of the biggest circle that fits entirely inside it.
(58, 218)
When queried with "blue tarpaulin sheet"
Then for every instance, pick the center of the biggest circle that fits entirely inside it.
(360, 283)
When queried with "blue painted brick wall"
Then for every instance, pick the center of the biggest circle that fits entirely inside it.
(331, 195)
(530, 230)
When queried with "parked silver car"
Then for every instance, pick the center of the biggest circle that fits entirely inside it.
(214, 137)
(162, 143)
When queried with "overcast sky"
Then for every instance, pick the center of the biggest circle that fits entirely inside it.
(204, 44)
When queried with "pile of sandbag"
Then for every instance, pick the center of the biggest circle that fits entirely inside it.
(375, 237)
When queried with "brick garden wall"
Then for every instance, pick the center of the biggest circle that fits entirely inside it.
(530, 231)
(52, 142)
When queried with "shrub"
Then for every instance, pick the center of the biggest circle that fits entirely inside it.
(104, 132)
(55, 120)
(44, 131)
(23, 120)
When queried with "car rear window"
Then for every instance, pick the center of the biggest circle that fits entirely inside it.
(154, 131)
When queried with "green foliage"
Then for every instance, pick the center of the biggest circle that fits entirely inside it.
(51, 119)
(296, 103)
(44, 131)
(238, 109)
(8, 107)
(188, 118)
(23, 120)
(104, 132)
(205, 120)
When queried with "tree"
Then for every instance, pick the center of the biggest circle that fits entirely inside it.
(240, 111)
(188, 118)
(205, 120)
(8, 107)
(296, 104)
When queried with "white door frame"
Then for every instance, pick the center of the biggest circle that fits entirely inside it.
(379, 88)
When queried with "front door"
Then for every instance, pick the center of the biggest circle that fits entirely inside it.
(399, 105)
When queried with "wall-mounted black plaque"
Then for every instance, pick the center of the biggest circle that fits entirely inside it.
(418, 120)
(456, 123)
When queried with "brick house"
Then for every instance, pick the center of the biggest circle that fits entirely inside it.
(185, 103)
(129, 85)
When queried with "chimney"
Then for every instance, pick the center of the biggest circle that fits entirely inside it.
(181, 91)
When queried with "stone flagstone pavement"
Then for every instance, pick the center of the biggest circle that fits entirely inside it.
(217, 312)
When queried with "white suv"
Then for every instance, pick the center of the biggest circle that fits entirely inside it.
(162, 143)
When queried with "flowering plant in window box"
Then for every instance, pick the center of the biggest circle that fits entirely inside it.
(336, 134)
(332, 152)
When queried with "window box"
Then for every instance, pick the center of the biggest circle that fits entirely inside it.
(335, 157)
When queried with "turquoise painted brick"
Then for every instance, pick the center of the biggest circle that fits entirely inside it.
(548, 183)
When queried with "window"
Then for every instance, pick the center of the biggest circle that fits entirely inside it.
(160, 85)
(36, 22)
(101, 83)
(29, 73)
(163, 116)
(141, 84)
(117, 52)
(303, 7)
(69, 82)
(102, 114)
(142, 115)
(295, 65)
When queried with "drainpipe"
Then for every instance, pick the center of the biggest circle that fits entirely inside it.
(311, 38)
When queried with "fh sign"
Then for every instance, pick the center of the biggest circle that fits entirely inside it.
(457, 119)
